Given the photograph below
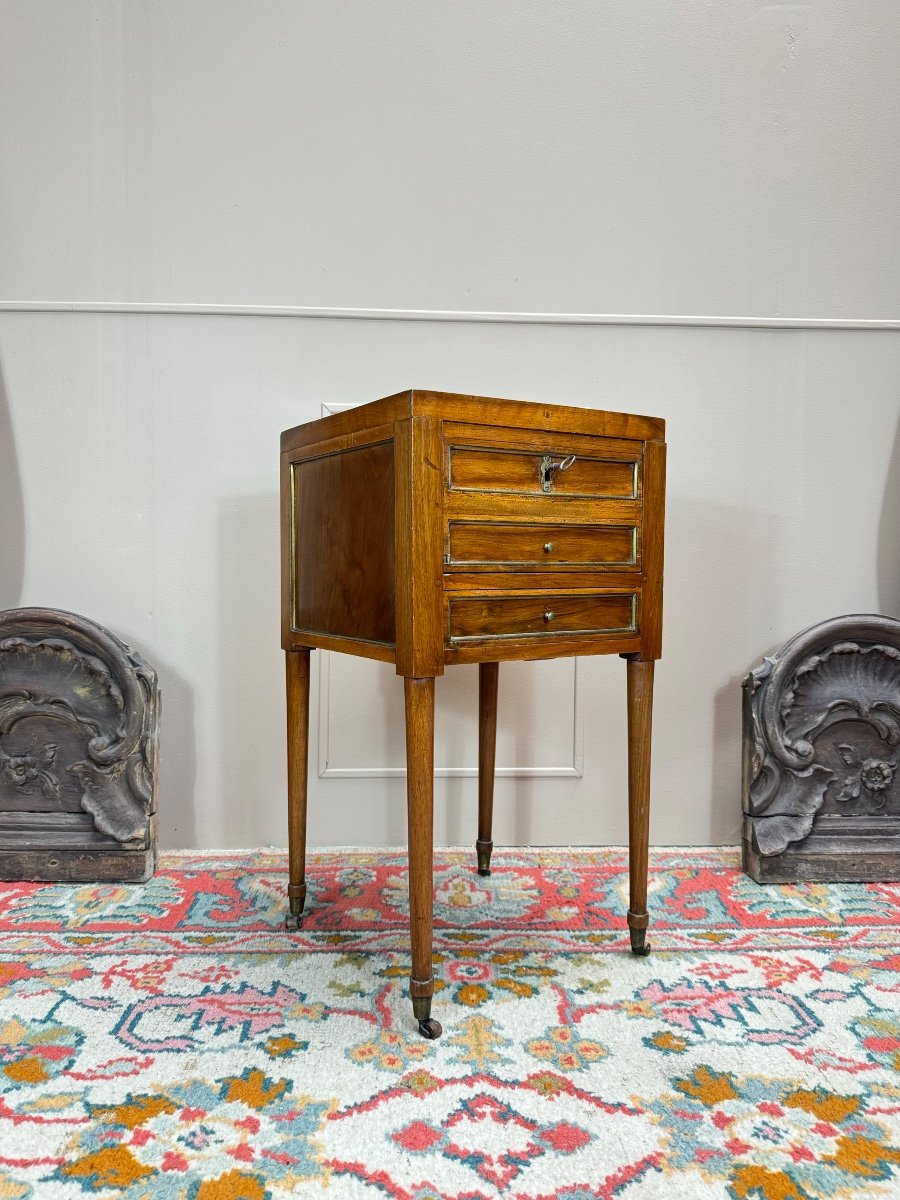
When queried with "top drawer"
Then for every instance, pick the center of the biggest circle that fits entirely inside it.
(498, 460)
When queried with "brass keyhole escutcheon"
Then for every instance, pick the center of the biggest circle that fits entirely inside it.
(548, 466)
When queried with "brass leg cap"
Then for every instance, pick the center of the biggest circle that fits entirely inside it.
(640, 947)
(421, 1007)
(295, 917)
(483, 850)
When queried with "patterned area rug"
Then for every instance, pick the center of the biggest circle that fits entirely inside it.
(174, 1041)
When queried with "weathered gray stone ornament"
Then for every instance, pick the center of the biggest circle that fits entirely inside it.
(821, 771)
(79, 738)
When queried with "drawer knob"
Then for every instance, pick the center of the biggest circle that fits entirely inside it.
(548, 466)
(548, 547)
(548, 616)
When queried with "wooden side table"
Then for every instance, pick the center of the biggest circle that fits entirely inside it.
(430, 528)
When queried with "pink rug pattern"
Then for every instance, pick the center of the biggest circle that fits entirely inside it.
(174, 1041)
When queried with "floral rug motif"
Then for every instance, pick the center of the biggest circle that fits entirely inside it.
(175, 1041)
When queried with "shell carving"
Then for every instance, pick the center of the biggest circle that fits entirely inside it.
(78, 720)
(846, 682)
(845, 670)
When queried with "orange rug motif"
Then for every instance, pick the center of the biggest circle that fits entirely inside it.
(175, 1041)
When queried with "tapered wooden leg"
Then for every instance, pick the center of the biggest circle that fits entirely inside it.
(297, 664)
(420, 813)
(640, 709)
(487, 749)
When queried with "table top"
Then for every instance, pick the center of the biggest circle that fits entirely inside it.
(487, 410)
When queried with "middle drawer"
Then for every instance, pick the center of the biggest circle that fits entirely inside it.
(492, 543)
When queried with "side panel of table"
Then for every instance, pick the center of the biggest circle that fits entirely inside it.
(338, 530)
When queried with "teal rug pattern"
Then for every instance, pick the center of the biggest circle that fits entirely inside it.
(174, 1041)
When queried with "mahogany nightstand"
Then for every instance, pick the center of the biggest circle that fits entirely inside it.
(430, 528)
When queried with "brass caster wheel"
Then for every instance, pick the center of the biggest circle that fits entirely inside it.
(484, 871)
(429, 1028)
(641, 950)
(293, 921)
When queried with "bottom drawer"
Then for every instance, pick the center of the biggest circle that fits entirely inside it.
(546, 615)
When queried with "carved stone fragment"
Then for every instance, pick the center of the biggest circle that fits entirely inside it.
(79, 738)
(821, 769)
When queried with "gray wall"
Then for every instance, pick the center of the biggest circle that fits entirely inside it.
(688, 210)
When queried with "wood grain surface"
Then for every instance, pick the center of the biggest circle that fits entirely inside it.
(484, 543)
(344, 577)
(640, 713)
(543, 615)
(297, 689)
(417, 529)
(419, 696)
(488, 680)
(485, 470)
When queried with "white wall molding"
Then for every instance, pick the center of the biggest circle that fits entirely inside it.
(572, 770)
(655, 320)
